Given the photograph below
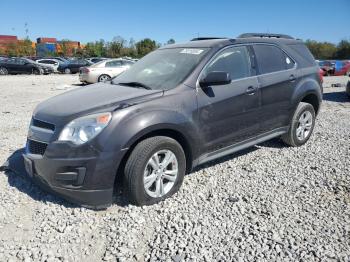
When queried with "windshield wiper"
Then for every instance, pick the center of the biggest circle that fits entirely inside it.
(135, 84)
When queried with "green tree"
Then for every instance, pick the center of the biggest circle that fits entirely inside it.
(343, 50)
(171, 41)
(25, 48)
(321, 50)
(145, 46)
(116, 46)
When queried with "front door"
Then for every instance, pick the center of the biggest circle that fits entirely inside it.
(229, 113)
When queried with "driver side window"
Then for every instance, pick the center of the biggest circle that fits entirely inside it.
(233, 60)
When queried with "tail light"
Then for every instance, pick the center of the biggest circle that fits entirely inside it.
(320, 73)
(84, 70)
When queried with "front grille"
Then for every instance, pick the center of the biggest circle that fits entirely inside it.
(42, 124)
(35, 147)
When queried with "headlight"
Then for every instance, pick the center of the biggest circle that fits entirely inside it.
(85, 128)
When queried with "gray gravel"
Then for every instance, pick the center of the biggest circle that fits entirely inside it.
(267, 203)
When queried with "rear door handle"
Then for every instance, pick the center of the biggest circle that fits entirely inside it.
(292, 78)
(250, 90)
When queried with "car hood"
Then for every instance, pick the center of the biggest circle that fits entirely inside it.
(100, 97)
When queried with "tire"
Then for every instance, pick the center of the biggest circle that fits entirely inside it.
(36, 71)
(292, 138)
(347, 90)
(138, 167)
(3, 71)
(67, 71)
(103, 78)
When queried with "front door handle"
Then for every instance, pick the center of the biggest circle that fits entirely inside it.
(292, 78)
(250, 90)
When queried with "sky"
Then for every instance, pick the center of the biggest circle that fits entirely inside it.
(182, 20)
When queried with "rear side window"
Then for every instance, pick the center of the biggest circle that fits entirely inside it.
(114, 63)
(306, 58)
(272, 59)
(234, 60)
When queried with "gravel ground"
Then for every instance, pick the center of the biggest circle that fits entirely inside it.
(267, 203)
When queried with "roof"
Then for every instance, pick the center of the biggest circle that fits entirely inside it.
(203, 42)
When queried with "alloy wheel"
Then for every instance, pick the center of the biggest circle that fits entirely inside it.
(304, 125)
(160, 173)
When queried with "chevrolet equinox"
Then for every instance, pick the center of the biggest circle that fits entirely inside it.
(178, 107)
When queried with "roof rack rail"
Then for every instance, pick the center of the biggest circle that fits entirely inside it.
(207, 38)
(266, 35)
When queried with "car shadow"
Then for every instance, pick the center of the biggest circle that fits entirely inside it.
(18, 177)
(80, 84)
(336, 97)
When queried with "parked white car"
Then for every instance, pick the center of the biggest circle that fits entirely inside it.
(52, 63)
(104, 70)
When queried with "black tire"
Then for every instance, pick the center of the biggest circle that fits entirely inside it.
(103, 78)
(67, 71)
(36, 71)
(136, 164)
(290, 138)
(3, 71)
(347, 90)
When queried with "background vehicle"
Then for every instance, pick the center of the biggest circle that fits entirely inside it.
(178, 107)
(328, 67)
(104, 70)
(22, 66)
(95, 60)
(61, 59)
(72, 66)
(53, 63)
(342, 68)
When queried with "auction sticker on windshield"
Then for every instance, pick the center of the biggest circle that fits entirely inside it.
(191, 51)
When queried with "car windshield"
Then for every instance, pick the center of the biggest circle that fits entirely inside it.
(162, 69)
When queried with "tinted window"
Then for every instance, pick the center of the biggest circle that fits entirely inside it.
(128, 63)
(234, 60)
(114, 63)
(20, 61)
(272, 59)
(306, 58)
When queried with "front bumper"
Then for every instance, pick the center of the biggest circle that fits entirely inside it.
(87, 180)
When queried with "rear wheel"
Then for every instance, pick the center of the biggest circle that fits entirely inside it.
(301, 126)
(154, 170)
(103, 78)
(347, 90)
(3, 71)
(67, 71)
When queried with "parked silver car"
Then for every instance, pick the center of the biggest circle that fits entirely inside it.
(50, 62)
(104, 70)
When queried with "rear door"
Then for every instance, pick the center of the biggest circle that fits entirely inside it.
(229, 113)
(277, 76)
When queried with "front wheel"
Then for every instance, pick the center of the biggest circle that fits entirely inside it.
(154, 170)
(301, 126)
(3, 71)
(67, 71)
(37, 71)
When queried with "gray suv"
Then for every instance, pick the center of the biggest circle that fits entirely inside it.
(178, 107)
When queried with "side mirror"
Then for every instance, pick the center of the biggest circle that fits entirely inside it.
(215, 78)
